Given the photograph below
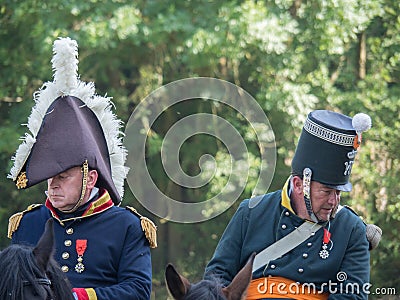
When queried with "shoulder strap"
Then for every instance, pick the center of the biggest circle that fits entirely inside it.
(15, 219)
(285, 244)
(149, 228)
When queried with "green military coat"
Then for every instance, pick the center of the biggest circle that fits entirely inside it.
(258, 225)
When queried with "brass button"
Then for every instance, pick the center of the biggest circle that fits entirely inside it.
(70, 231)
(65, 255)
(67, 243)
(65, 269)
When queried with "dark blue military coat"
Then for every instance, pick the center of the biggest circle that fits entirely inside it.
(116, 261)
(253, 229)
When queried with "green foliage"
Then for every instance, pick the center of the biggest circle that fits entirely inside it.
(291, 56)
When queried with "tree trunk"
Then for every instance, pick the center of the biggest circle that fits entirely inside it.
(362, 55)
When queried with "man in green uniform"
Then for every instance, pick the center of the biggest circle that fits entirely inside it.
(323, 250)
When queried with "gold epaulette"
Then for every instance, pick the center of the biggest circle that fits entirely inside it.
(149, 228)
(15, 219)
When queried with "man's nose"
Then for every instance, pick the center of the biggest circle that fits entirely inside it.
(52, 182)
(333, 198)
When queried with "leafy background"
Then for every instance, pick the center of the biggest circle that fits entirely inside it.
(292, 56)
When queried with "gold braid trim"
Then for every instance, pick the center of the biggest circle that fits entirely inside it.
(21, 181)
(150, 231)
(91, 293)
(13, 223)
(15, 220)
(149, 228)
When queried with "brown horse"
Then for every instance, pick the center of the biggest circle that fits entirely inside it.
(181, 289)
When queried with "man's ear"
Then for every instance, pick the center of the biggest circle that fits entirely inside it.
(297, 185)
(92, 179)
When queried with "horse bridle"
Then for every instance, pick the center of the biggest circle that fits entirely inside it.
(40, 281)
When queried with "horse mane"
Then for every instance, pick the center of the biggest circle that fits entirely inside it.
(206, 289)
(180, 287)
(16, 264)
(61, 286)
(22, 264)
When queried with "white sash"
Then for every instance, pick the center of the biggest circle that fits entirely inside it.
(285, 244)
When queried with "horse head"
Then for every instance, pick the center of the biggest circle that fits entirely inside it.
(31, 272)
(181, 289)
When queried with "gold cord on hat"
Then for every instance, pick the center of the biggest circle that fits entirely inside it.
(85, 171)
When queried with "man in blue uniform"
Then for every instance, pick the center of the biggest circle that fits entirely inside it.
(74, 143)
(308, 246)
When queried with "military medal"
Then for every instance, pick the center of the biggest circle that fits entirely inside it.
(80, 249)
(324, 253)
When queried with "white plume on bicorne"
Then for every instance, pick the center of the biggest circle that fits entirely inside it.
(66, 82)
(65, 65)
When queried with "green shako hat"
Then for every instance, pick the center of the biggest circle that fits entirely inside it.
(328, 145)
(71, 126)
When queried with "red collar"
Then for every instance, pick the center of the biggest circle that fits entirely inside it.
(99, 205)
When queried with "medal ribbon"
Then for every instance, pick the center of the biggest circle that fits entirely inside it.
(324, 253)
(327, 236)
(81, 246)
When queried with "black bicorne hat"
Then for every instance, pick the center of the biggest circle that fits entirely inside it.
(71, 125)
(328, 145)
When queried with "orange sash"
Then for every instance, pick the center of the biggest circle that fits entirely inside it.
(283, 288)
